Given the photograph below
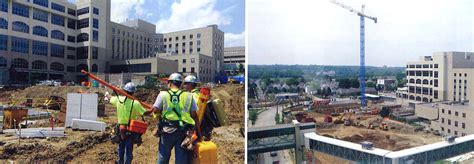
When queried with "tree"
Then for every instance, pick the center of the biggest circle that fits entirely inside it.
(277, 118)
(253, 114)
(241, 68)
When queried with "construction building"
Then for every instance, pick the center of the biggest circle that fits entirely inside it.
(234, 58)
(55, 39)
(439, 86)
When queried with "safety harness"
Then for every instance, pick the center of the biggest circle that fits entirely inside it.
(174, 96)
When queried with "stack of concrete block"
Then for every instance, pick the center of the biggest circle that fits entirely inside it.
(82, 124)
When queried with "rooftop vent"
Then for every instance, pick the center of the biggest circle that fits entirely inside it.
(367, 145)
(450, 138)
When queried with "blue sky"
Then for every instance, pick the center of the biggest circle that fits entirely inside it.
(173, 15)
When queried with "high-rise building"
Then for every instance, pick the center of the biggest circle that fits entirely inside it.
(440, 88)
(55, 39)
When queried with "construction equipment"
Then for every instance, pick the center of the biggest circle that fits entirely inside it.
(53, 102)
(348, 121)
(362, 46)
(371, 126)
(339, 119)
(327, 119)
(13, 116)
(115, 89)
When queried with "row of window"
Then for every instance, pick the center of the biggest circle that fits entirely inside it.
(22, 45)
(134, 50)
(455, 132)
(183, 37)
(423, 73)
(425, 81)
(41, 31)
(423, 66)
(128, 35)
(37, 64)
(463, 125)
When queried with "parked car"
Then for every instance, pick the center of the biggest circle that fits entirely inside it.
(273, 153)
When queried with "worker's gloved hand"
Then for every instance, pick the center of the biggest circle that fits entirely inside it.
(106, 96)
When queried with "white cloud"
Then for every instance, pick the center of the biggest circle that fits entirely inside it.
(186, 14)
(126, 9)
(232, 39)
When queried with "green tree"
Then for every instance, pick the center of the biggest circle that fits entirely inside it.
(277, 118)
(253, 114)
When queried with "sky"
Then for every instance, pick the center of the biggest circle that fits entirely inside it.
(174, 15)
(320, 32)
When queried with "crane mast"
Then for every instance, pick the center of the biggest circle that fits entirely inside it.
(362, 46)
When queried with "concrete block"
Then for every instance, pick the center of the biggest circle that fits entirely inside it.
(88, 125)
(81, 106)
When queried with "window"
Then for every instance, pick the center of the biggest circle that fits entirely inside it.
(3, 62)
(193, 60)
(20, 45)
(20, 10)
(56, 66)
(43, 3)
(71, 23)
(435, 82)
(83, 37)
(198, 35)
(20, 27)
(184, 69)
(442, 120)
(95, 36)
(463, 115)
(435, 65)
(456, 113)
(449, 112)
(456, 123)
(81, 67)
(3, 23)
(57, 51)
(83, 11)
(83, 23)
(71, 12)
(40, 15)
(58, 7)
(70, 69)
(57, 20)
(95, 23)
(192, 69)
(94, 68)
(449, 122)
(40, 48)
(3, 42)
(38, 64)
(71, 39)
(191, 36)
(82, 52)
(19, 63)
(442, 110)
(95, 11)
(4, 5)
(95, 52)
(40, 31)
(463, 125)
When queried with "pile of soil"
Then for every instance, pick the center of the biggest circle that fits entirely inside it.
(233, 96)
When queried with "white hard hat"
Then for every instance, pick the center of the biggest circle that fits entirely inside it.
(175, 77)
(191, 79)
(129, 87)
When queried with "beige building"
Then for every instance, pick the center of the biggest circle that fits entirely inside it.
(198, 51)
(440, 86)
(233, 57)
(55, 39)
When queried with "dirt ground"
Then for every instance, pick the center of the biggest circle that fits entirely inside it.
(399, 136)
(84, 146)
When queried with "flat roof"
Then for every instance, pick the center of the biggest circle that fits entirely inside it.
(372, 95)
(346, 144)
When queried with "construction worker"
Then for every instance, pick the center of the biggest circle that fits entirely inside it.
(176, 110)
(190, 84)
(125, 113)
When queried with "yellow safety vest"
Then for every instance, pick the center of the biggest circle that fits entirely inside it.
(178, 107)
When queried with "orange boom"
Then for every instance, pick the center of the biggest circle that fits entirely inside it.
(148, 106)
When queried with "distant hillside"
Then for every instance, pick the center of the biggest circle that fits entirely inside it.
(285, 71)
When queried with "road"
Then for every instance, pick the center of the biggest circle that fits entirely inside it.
(267, 118)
